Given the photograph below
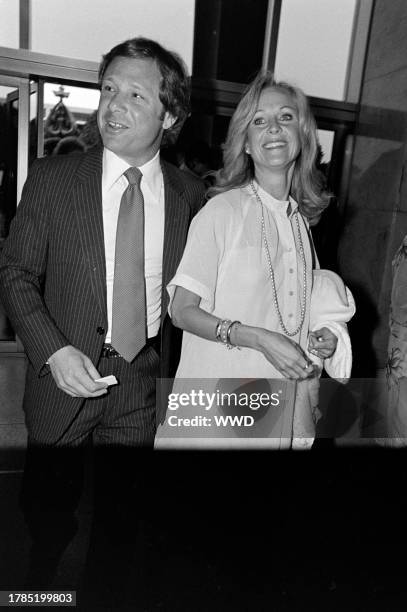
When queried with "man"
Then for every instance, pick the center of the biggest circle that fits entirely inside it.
(66, 288)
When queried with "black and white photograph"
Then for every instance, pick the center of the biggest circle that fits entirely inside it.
(203, 305)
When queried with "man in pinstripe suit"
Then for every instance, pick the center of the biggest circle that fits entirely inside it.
(56, 278)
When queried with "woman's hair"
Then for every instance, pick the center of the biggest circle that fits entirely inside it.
(175, 85)
(307, 186)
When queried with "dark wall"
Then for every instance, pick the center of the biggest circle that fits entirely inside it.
(229, 38)
(376, 211)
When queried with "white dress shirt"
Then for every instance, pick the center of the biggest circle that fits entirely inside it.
(152, 187)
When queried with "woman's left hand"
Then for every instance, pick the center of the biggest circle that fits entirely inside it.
(322, 343)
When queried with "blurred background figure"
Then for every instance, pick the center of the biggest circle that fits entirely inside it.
(69, 144)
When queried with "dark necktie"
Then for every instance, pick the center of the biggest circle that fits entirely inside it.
(129, 317)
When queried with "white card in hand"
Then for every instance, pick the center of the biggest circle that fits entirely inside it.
(109, 380)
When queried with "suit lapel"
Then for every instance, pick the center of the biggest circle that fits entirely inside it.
(176, 222)
(87, 200)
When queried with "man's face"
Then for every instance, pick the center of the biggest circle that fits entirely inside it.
(131, 118)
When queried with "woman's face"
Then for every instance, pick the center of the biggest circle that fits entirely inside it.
(273, 136)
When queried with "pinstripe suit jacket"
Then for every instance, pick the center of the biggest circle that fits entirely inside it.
(53, 276)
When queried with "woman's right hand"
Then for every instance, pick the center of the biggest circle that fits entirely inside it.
(284, 354)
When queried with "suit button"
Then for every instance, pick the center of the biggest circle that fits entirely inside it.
(100, 331)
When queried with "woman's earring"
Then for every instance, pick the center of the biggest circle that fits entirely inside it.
(246, 150)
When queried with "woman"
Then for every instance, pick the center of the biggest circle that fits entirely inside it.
(246, 277)
(393, 405)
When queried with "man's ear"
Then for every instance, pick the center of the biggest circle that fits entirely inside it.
(169, 120)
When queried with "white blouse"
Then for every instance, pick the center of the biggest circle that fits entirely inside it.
(225, 263)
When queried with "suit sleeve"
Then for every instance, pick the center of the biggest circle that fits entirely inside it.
(23, 265)
(201, 198)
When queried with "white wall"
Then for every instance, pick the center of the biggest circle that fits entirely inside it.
(9, 23)
(85, 29)
(326, 140)
(80, 99)
(313, 45)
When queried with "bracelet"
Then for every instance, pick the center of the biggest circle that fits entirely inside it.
(224, 330)
(228, 343)
(217, 331)
(221, 332)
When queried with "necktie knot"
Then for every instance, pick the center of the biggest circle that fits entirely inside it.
(133, 175)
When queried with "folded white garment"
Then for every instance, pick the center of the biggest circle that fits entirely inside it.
(332, 306)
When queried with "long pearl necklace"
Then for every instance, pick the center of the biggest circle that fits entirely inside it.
(271, 271)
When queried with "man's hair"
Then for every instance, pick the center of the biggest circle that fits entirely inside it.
(307, 186)
(174, 90)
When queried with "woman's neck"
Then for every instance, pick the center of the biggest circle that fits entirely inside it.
(276, 183)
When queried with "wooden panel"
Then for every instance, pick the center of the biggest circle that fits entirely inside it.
(12, 380)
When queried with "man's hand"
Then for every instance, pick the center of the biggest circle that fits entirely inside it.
(75, 374)
(322, 343)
